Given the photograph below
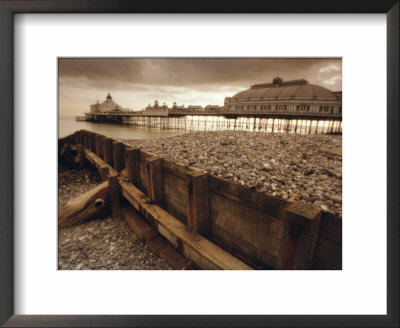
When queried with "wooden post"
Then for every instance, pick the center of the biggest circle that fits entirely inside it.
(85, 138)
(198, 203)
(108, 151)
(118, 155)
(114, 192)
(133, 156)
(81, 155)
(104, 172)
(154, 170)
(99, 146)
(300, 236)
(90, 140)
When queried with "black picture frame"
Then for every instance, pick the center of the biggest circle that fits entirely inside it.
(7, 11)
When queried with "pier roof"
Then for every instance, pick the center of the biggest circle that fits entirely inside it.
(295, 89)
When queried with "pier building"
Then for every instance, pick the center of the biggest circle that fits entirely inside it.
(295, 96)
(107, 106)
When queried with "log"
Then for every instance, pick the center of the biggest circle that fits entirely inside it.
(85, 207)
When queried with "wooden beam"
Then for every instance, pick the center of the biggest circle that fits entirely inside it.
(98, 162)
(107, 151)
(114, 192)
(154, 169)
(300, 236)
(81, 155)
(198, 203)
(198, 249)
(156, 243)
(118, 155)
(133, 156)
(84, 207)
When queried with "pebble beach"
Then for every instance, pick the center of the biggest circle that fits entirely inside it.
(306, 168)
(103, 243)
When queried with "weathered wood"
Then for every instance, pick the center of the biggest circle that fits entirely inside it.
(262, 202)
(118, 155)
(176, 197)
(99, 146)
(328, 255)
(108, 151)
(301, 232)
(114, 191)
(198, 203)
(104, 172)
(81, 155)
(83, 208)
(177, 169)
(98, 162)
(66, 154)
(133, 158)
(250, 232)
(198, 249)
(154, 241)
(154, 167)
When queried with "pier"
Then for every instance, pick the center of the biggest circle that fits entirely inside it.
(263, 121)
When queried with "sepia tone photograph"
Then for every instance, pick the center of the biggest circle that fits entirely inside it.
(200, 164)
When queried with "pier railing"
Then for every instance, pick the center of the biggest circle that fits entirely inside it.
(261, 230)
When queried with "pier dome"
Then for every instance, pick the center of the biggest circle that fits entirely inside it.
(293, 96)
(109, 97)
(297, 89)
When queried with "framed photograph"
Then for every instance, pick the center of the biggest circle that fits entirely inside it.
(143, 149)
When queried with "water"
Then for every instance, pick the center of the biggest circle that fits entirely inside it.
(68, 125)
(156, 127)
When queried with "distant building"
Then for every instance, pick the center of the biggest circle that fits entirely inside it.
(194, 108)
(107, 106)
(286, 96)
(214, 108)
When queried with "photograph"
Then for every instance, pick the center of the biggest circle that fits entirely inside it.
(200, 163)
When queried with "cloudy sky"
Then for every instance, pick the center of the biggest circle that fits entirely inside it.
(134, 83)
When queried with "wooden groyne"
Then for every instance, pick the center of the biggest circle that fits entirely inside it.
(216, 223)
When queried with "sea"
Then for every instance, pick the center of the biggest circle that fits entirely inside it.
(68, 125)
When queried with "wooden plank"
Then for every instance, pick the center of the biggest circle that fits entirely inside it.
(242, 249)
(176, 198)
(179, 170)
(328, 255)
(84, 207)
(143, 181)
(107, 151)
(114, 191)
(258, 229)
(262, 202)
(206, 251)
(118, 155)
(331, 227)
(154, 241)
(133, 156)
(98, 162)
(81, 155)
(198, 203)
(155, 180)
(99, 146)
(302, 222)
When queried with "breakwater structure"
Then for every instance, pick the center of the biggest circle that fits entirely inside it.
(215, 223)
(281, 106)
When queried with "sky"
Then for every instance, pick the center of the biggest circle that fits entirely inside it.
(136, 82)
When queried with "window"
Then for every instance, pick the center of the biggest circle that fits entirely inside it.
(303, 108)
